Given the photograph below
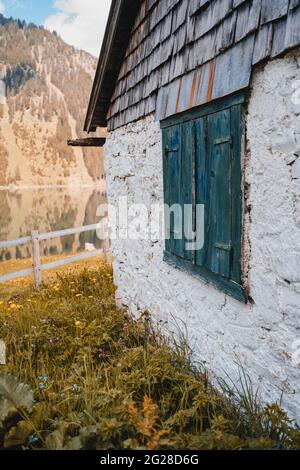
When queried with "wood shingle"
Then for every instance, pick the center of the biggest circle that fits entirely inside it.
(177, 45)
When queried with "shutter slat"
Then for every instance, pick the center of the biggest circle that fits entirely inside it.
(165, 141)
(187, 185)
(219, 258)
(237, 130)
(201, 183)
(173, 157)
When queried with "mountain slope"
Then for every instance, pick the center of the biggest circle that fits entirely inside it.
(44, 91)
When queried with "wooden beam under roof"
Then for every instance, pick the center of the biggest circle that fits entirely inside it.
(88, 142)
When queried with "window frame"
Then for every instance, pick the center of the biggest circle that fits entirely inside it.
(226, 285)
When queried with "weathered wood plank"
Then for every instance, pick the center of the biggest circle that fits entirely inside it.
(293, 29)
(273, 10)
(294, 4)
(248, 17)
(187, 186)
(279, 36)
(88, 142)
(201, 181)
(263, 43)
(219, 192)
(172, 38)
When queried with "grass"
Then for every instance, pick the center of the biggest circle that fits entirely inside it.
(82, 374)
(10, 288)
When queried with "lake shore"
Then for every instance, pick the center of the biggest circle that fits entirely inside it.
(16, 188)
(49, 210)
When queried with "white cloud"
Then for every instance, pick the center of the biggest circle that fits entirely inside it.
(80, 22)
(2, 7)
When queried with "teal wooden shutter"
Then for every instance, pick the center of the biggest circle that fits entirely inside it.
(173, 185)
(219, 193)
(188, 186)
(237, 129)
(202, 166)
(179, 147)
(201, 161)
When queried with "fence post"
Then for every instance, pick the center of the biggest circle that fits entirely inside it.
(106, 251)
(36, 259)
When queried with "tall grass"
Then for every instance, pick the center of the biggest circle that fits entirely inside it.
(82, 374)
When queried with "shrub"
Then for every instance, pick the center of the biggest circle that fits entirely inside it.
(83, 374)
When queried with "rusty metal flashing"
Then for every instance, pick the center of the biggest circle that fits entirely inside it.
(227, 74)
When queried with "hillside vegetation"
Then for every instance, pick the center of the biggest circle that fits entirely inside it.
(83, 374)
(44, 92)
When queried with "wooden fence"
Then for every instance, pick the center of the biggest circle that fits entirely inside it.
(37, 267)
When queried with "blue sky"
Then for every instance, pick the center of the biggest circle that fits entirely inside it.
(36, 11)
(80, 23)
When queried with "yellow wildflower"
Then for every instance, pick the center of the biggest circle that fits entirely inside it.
(15, 307)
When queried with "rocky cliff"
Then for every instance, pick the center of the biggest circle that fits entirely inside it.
(44, 91)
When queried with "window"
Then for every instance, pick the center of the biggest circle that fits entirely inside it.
(202, 171)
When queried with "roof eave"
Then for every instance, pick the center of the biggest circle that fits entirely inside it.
(120, 22)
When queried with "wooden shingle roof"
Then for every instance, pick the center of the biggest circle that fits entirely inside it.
(166, 56)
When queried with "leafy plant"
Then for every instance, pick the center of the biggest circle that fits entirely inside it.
(98, 379)
(146, 424)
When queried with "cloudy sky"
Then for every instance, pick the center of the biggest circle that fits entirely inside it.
(79, 22)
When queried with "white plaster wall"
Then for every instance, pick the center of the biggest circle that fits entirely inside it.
(263, 336)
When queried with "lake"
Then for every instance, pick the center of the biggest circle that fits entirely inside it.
(48, 210)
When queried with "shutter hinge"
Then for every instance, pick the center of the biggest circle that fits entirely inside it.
(223, 140)
(175, 150)
(222, 246)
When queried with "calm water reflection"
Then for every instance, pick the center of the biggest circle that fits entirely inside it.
(48, 210)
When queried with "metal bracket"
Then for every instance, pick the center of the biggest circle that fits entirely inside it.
(175, 150)
(224, 140)
(221, 246)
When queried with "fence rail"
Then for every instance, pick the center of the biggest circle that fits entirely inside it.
(12, 243)
(37, 267)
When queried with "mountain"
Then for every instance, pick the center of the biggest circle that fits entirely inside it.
(44, 91)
